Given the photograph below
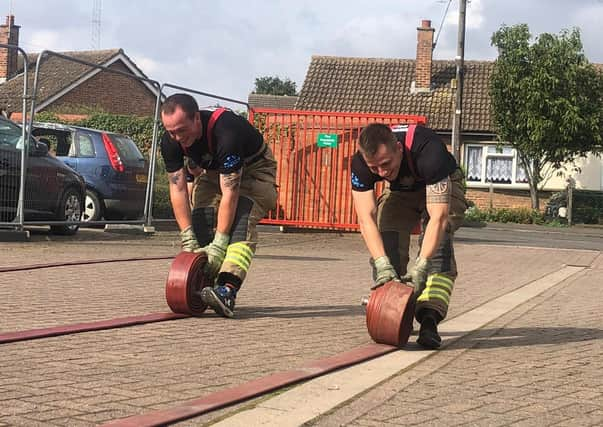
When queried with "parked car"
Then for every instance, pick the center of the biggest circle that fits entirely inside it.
(114, 169)
(53, 191)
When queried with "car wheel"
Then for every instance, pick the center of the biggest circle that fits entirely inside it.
(70, 209)
(93, 207)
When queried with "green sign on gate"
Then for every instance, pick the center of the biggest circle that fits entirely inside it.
(327, 140)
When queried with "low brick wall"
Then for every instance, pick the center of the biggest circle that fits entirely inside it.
(501, 198)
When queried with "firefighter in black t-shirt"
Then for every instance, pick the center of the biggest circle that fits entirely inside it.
(425, 183)
(235, 175)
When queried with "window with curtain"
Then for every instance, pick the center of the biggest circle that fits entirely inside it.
(488, 163)
(499, 170)
(474, 163)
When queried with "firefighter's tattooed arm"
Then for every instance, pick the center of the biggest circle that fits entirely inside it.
(179, 198)
(439, 192)
(438, 205)
(229, 185)
(175, 177)
(231, 181)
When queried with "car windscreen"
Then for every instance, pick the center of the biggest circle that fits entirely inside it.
(126, 147)
(10, 134)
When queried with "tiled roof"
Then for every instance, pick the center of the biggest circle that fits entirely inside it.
(272, 101)
(378, 85)
(383, 85)
(55, 74)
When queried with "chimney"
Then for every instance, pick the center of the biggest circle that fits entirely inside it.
(9, 34)
(422, 81)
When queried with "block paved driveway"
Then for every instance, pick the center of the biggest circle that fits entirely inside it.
(538, 365)
(300, 303)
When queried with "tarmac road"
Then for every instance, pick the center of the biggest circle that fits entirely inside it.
(525, 235)
(578, 237)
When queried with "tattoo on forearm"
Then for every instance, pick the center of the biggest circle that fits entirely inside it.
(175, 177)
(232, 180)
(439, 192)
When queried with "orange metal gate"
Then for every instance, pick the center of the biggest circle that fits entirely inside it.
(314, 152)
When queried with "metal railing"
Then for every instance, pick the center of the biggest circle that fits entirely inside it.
(152, 84)
(314, 151)
(17, 222)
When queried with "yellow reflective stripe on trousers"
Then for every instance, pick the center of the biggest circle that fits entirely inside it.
(239, 254)
(438, 287)
(441, 281)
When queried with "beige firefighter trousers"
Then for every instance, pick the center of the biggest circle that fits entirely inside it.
(398, 212)
(257, 195)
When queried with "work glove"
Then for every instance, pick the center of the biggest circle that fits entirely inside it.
(216, 251)
(189, 240)
(418, 273)
(385, 272)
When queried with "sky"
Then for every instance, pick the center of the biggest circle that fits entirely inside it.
(221, 47)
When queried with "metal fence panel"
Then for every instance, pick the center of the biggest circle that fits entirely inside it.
(313, 151)
(151, 84)
(13, 164)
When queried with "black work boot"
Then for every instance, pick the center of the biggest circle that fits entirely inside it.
(428, 334)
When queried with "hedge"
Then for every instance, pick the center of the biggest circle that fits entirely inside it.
(519, 215)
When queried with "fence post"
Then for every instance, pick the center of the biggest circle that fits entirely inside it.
(571, 183)
(491, 194)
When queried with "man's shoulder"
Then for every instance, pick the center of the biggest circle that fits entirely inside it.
(166, 142)
(207, 112)
(427, 134)
(358, 161)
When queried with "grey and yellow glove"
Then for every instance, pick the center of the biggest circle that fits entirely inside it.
(216, 252)
(189, 240)
(385, 272)
(418, 273)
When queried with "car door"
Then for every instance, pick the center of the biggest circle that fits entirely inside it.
(35, 195)
(10, 175)
(66, 150)
(42, 181)
(87, 163)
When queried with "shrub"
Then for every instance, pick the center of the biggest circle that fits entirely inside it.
(162, 207)
(473, 214)
(519, 215)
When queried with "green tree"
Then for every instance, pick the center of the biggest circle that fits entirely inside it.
(547, 100)
(274, 86)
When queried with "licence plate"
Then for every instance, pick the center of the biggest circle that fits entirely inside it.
(141, 178)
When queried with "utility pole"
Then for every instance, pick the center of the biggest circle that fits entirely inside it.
(460, 62)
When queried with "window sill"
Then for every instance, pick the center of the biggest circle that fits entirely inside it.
(479, 185)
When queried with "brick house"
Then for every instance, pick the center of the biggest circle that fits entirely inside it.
(68, 87)
(424, 86)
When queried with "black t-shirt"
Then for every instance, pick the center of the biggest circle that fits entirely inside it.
(233, 140)
(431, 159)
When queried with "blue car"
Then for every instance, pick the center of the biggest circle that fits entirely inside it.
(53, 191)
(114, 169)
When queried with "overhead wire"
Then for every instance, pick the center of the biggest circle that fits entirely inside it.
(442, 24)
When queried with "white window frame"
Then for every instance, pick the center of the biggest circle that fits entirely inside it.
(485, 155)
